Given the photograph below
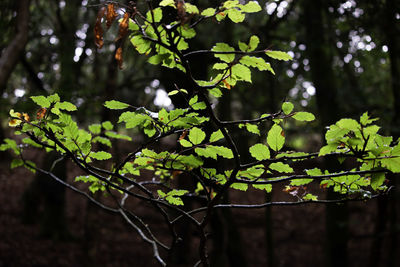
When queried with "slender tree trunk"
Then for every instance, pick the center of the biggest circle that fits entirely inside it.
(11, 55)
(319, 53)
(392, 30)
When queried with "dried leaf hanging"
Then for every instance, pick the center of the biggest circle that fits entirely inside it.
(227, 85)
(118, 57)
(111, 15)
(183, 135)
(98, 29)
(41, 113)
(123, 27)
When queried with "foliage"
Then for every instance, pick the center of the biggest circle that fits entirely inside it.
(203, 140)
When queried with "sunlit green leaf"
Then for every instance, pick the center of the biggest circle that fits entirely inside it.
(279, 55)
(196, 135)
(100, 155)
(259, 152)
(303, 116)
(276, 138)
(41, 101)
(222, 47)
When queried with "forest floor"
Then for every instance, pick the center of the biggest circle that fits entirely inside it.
(298, 232)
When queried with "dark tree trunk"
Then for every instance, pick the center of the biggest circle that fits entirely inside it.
(319, 52)
(392, 30)
(10, 56)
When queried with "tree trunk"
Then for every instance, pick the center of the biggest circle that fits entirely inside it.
(319, 53)
(11, 55)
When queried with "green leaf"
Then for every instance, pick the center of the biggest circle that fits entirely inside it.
(141, 45)
(241, 72)
(303, 116)
(216, 136)
(100, 155)
(107, 125)
(41, 101)
(115, 135)
(193, 100)
(196, 136)
(95, 128)
(310, 197)
(377, 179)
(185, 143)
(240, 186)
(278, 55)
(335, 133)
(16, 163)
(298, 182)
(222, 151)
(208, 12)
(132, 119)
(215, 92)
(365, 119)
(199, 106)
(132, 25)
(65, 106)
(287, 107)
(167, 3)
(230, 4)
(214, 151)
(314, 172)
(53, 98)
(259, 152)
(242, 46)
(235, 15)
(71, 129)
(174, 200)
(191, 9)
(157, 14)
(161, 193)
(220, 66)
(251, 7)
(391, 163)
(276, 138)
(102, 140)
(256, 62)
(280, 167)
(253, 43)
(349, 124)
(113, 104)
(327, 149)
(265, 187)
(222, 47)
(173, 92)
(253, 172)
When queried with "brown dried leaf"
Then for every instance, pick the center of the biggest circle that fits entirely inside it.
(111, 15)
(180, 7)
(227, 85)
(26, 116)
(123, 26)
(98, 29)
(41, 113)
(118, 57)
(183, 135)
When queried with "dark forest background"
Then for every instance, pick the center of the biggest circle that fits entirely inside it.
(346, 61)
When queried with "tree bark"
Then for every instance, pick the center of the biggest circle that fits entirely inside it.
(320, 55)
(11, 54)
